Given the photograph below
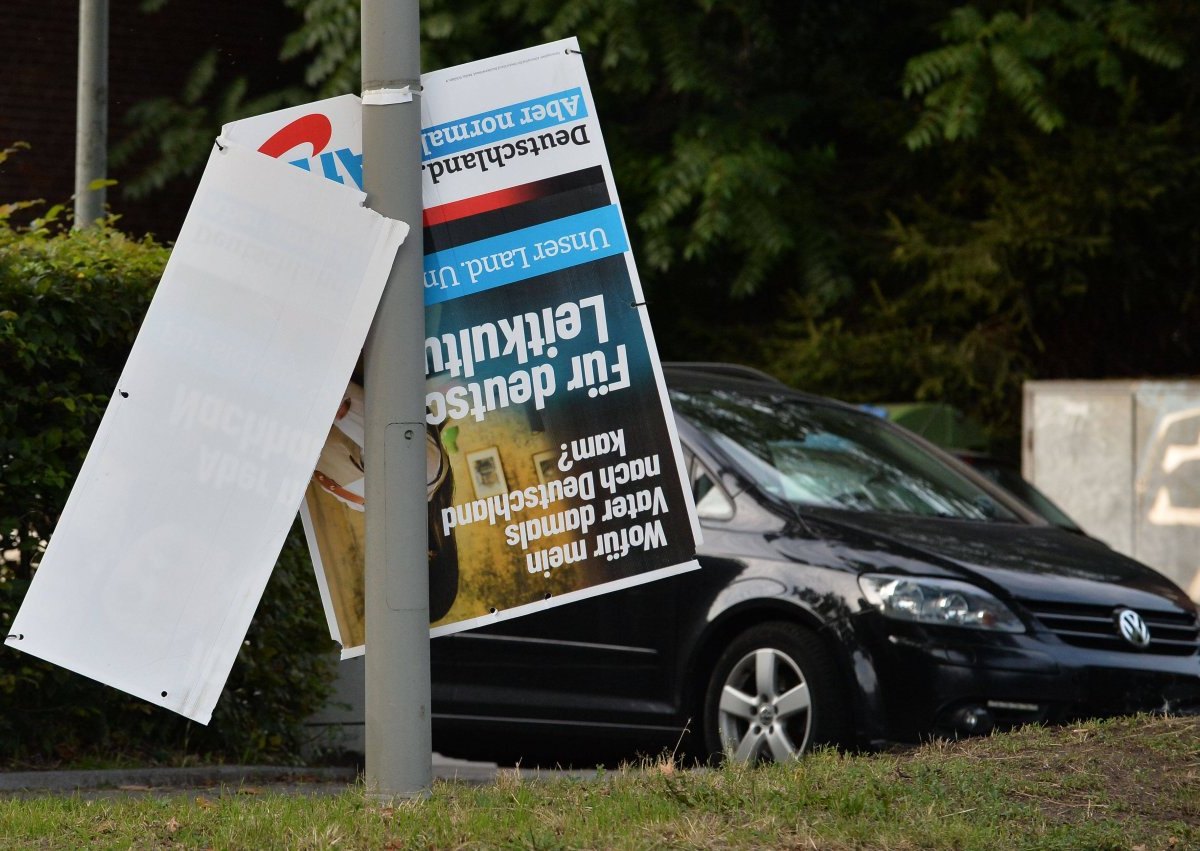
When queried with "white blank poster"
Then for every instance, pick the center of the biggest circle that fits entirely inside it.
(200, 462)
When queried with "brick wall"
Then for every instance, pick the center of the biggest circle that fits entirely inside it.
(150, 55)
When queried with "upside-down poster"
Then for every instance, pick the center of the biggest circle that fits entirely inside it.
(544, 390)
(553, 463)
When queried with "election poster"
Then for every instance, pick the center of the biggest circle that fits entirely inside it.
(553, 465)
(563, 475)
(325, 139)
(191, 484)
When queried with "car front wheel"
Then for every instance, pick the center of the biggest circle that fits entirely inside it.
(772, 696)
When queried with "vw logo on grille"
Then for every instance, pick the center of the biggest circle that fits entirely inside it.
(1132, 628)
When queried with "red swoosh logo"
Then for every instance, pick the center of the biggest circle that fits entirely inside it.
(313, 129)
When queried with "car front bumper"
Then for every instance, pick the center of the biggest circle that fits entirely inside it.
(948, 681)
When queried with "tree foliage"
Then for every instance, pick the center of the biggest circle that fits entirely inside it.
(1026, 58)
(881, 200)
(1040, 226)
(699, 96)
(1082, 229)
(173, 136)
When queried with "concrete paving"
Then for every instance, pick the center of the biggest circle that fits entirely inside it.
(214, 779)
(197, 779)
(236, 779)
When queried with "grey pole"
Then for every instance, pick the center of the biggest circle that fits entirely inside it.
(91, 111)
(398, 737)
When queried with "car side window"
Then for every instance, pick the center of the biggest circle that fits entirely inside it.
(712, 503)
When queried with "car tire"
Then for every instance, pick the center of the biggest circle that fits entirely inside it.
(773, 695)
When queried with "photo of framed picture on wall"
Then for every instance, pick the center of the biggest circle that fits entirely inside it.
(546, 464)
(487, 473)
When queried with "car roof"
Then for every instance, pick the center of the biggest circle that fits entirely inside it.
(686, 375)
(729, 370)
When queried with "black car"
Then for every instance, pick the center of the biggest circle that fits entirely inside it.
(858, 587)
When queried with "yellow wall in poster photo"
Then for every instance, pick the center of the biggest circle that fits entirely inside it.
(499, 455)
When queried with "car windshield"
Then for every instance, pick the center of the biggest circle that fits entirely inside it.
(819, 455)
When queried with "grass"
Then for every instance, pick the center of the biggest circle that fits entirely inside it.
(1127, 784)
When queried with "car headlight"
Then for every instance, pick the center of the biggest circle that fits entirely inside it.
(943, 602)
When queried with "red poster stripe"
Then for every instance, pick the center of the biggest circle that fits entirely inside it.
(480, 204)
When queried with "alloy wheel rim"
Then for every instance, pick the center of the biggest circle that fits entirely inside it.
(765, 709)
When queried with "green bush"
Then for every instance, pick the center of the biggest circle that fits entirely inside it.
(70, 306)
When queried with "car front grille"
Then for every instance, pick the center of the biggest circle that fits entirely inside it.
(1171, 633)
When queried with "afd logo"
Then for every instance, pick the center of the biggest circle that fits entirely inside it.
(315, 130)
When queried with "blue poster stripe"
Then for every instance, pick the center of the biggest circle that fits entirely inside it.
(496, 125)
(526, 253)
